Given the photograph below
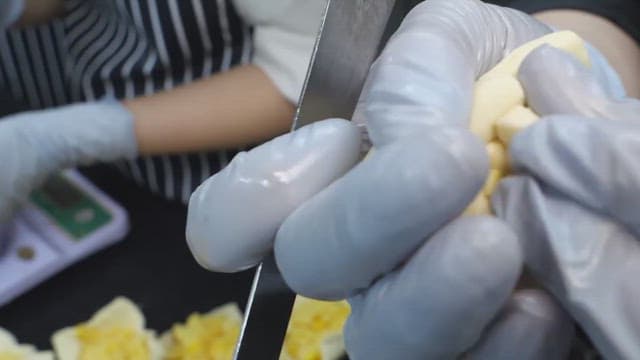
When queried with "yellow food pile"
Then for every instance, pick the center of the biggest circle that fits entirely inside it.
(210, 336)
(500, 109)
(10, 349)
(118, 332)
(315, 330)
(314, 333)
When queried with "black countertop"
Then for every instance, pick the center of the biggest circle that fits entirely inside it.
(152, 266)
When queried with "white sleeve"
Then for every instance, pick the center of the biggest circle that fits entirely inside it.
(10, 11)
(284, 36)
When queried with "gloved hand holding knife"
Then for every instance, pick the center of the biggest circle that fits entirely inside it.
(386, 233)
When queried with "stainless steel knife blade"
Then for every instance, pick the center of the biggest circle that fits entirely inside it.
(346, 46)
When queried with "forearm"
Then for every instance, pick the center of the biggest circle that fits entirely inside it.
(619, 48)
(228, 110)
(40, 11)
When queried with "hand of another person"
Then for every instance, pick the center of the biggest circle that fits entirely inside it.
(33, 145)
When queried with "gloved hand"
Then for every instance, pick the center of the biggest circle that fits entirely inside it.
(33, 145)
(384, 233)
(578, 216)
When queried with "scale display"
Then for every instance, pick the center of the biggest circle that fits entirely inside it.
(65, 220)
(77, 213)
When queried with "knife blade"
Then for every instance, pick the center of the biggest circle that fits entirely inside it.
(346, 46)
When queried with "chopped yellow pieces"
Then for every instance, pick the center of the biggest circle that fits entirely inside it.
(499, 110)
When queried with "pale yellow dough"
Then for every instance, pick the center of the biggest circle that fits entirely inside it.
(494, 96)
(500, 109)
(479, 206)
(516, 120)
(498, 157)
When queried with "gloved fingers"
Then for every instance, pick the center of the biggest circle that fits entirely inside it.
(424, 77)
(369, 221)
(233, 217)
(594, 161)
(426, 167)
(557, 83)
(439, 303)
(591, 154)
(21, 170)
(531, 327)
(586, 260)
(606, 74)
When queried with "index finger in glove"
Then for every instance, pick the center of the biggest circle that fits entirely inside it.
(592, 155)
(233, 216)
(426, 166)
(588, 261)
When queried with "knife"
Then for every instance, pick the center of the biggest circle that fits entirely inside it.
(347, 44)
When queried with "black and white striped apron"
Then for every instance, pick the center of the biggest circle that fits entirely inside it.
(124, 49)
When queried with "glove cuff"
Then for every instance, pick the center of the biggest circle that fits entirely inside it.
(81, 134)
(99, 132)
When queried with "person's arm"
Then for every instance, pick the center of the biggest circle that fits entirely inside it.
(247, 105)
(232, 109)
(617, 45)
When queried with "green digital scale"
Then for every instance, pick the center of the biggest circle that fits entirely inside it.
(66, 220)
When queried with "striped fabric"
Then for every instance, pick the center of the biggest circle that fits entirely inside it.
(124, 49)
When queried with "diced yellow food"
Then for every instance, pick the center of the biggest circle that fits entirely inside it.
(113, 342)
(498, 157)
(10, 349)
(494, 97)
(315, 330)
(563, 40)
(117, 331)
(513, 122)
(368, 155)
(211, 336)
(479, 206)
(499, 111)
(492, 182)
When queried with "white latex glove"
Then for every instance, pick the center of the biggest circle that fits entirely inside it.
(33, 145)
(579, 221)
(384, 233)
(10, 11)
